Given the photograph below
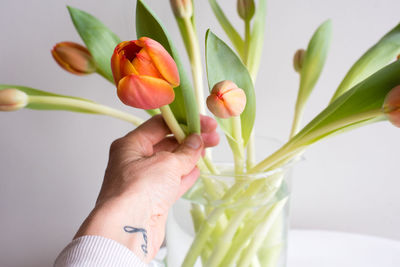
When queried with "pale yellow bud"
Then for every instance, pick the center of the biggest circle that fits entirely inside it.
(12, 99)
(182, 8)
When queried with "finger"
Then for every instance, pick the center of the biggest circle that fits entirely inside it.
(143, 138)
(208, 124)
(210, 139)
(188, 181)
(188, 153)
(169, 143)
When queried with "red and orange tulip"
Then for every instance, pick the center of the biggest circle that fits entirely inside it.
(145, 74)
(391, 106)
(226, 100)
(73, 58)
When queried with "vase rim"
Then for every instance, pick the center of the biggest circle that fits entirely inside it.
(262, 174)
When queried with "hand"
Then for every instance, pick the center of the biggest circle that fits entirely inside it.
(146, 173)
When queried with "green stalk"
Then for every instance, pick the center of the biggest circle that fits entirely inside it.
(251, 152)
(298, 114)
(250, 149)
(173, 124)
(85, 105)
(224, 242)
(194, 54)
(247, 33)
(262, 230)
(238, 152)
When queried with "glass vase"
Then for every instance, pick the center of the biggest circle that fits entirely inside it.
(231, 220)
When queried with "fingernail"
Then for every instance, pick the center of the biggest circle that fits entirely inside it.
(193, 141)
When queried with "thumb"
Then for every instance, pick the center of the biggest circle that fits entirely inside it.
(189, 152)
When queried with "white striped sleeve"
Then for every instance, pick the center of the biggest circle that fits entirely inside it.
(91, 251)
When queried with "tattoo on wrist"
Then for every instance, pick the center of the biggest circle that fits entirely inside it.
(132, 230)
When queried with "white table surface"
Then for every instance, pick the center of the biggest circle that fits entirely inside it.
(315, 248)
(311, 248)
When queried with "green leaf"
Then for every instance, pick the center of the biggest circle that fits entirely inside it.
(230, 31)
(184, 106)
(34, 92)
(223, 64)
(378, 56)
(314, 60)
(358, 106)
(257, 38)
(100, 41)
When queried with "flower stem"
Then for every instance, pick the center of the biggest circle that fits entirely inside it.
(172, 123)
(238, 152)
(262, 230)
(298, 115)
(247, 34)
(169, 118)
(86, 106)
(193, 51)
(250, 149)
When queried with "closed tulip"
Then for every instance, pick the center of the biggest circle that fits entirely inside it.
(182, 8)
(73, 58)
(391, 106)
(246, 9)
(226, 100)
(145, 74)
(12, 99)
(298, 60)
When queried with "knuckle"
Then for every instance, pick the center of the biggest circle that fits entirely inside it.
(115, 145)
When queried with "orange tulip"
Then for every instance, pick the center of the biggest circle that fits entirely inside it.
(73, 58)
(226, 100)
(391, 106)
(144, 73)
(12, 99)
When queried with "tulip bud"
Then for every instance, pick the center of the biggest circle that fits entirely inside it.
(12, 99)
(246, 9)
(226, 100)
(298, 60)
(391, 106)
(144, 74)
(182, 8)
(398, 57)
(73, 58)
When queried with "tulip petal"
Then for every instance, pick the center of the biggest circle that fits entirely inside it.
(217, 106)
(121, 59)
(161, 59)
(235, 101)
(144, 65)
(145, 92)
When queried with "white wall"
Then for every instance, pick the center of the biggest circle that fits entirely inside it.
(52, 163)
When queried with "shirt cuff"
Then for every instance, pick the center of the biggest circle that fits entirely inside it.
(88, 251)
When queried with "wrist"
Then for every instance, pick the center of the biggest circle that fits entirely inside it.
(122, 219)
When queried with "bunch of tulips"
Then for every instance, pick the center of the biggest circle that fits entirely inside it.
(149, 75)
